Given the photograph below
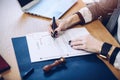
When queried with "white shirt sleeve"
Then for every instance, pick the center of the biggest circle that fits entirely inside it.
(117, 61)
(86, 13)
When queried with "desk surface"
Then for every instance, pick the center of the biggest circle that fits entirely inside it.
(14, 23)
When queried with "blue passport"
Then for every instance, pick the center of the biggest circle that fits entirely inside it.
(87, 67)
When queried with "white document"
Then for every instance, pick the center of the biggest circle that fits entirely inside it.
(43, 47)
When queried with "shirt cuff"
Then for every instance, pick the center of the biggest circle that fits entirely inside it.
(117, 61)
(86, 13)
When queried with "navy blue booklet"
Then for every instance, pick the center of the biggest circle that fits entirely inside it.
(87, 67)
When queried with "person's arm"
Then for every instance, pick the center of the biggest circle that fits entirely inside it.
(94, 10)
(117, 61)
(91, 44)
(112, 53)
(86, 14)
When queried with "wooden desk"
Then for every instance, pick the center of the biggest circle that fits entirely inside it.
(14, 23)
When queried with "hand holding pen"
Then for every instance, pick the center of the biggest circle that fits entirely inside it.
(54, 26)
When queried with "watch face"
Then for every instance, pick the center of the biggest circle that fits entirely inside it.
(24, 2)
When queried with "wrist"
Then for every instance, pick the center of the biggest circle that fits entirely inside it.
(73, 19)
(106, 47)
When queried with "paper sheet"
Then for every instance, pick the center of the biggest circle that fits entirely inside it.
(43, 47)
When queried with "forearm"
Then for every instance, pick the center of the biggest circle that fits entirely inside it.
(91, 12)
(81, 17)
(112, 53)
(74, 19)
(97, 9)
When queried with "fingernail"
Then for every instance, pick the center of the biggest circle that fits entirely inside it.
(56, 32)
(69, 42)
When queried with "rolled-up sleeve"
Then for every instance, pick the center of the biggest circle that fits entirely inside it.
(86, 13)
(117, 61)
(94, 10)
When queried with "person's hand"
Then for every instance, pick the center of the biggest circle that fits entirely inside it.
(65, 23)
(88, 43)
(62, 25)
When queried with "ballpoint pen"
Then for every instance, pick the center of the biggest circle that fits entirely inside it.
(28, 73)
(54, 26)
